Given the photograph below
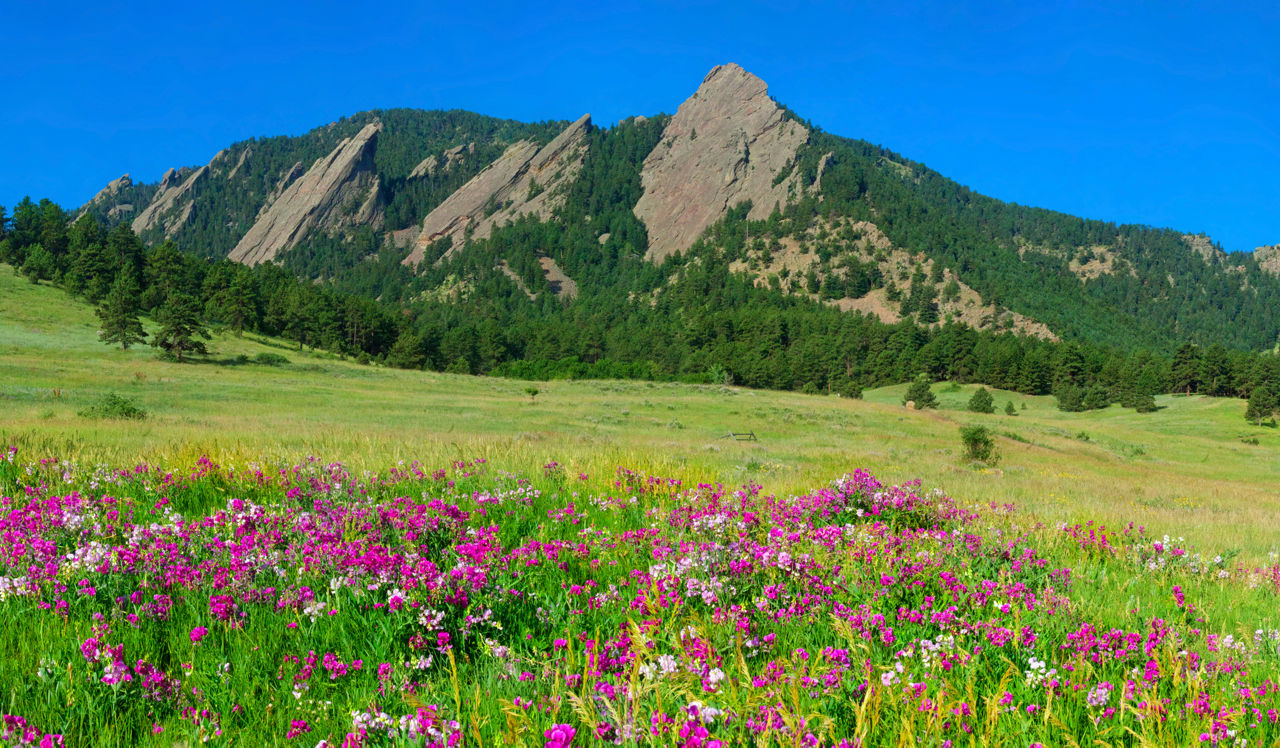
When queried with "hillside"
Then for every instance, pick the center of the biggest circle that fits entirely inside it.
(423, 207)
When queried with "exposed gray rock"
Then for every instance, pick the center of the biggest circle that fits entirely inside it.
(428, 166)
(1203, 246)
(1268, 258)
(425, 168)
(522, 181)
(244, 156)
(113, 188)
(341, 189)
(725, 145)
(171, 208)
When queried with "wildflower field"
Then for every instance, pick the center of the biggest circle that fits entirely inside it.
(462, 604)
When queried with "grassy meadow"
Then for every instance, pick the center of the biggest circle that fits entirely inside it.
(1184, 470)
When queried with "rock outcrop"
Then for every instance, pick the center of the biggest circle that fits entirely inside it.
(1268, 258)
(725, 145)
(113, 188)
(427, 167)
(522, 181)
(171, 208)
(341, 189)
(1202, 245)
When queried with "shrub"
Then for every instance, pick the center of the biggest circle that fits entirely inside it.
(114, 406)
(270, 359)
(982, 402)
(979, 444)
(1009, 410)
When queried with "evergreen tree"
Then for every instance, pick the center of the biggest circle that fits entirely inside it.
(38, 264)
(236, 304)
(1009, 410)
(126, 252)
(407, 353)
(1095, 398)
(1070, 399)
(1187, 368)
(1145, 403)
(118, 314)
(1261, 405)
(181, 329)
(92, 270)
(920, 394)
(982, 401)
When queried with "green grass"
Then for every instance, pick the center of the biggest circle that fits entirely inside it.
(1183, 470)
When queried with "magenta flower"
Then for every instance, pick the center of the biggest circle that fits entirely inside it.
(198, 633)
(559, 736)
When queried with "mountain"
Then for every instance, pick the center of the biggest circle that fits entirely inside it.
(733, 198)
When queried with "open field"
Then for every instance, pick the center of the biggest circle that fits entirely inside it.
(1183, 470)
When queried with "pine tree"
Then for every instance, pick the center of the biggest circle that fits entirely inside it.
(982, 402)
(38, 264)
(1261, 405)
(119, 314)
(407, 352)
(1009, 410)
(181, 329)
(920, 394)
(236, 304)
(1144, 402)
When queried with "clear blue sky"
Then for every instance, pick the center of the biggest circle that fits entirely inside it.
(1161, 113)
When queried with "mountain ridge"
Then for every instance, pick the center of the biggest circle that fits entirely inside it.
(434, 197)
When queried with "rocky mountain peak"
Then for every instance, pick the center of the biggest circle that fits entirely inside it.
(726, 145)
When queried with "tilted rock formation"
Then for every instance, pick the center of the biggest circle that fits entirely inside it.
(1268, 258)
(340, 189)
(113, 188)
(725, 145)
(522, 181)
(427, 167)
(174, 191)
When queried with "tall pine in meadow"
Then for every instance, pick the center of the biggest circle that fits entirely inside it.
(181, 329)
(119, 314)
(1260, 406)
(920, 395)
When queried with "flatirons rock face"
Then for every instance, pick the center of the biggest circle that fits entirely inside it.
(725, 145)
(171, 207)
(522, 181)
(341, 189)
(114, 188)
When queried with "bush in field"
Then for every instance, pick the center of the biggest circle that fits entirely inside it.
(979, 444)
(270, 359)
(982, 401)
(113, 406)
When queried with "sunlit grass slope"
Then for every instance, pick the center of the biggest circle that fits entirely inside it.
(1184, 470)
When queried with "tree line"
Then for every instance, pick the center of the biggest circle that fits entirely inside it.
(705, 324)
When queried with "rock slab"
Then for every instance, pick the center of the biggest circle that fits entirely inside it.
(340, 189)
(522, 181)
(725, 145)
